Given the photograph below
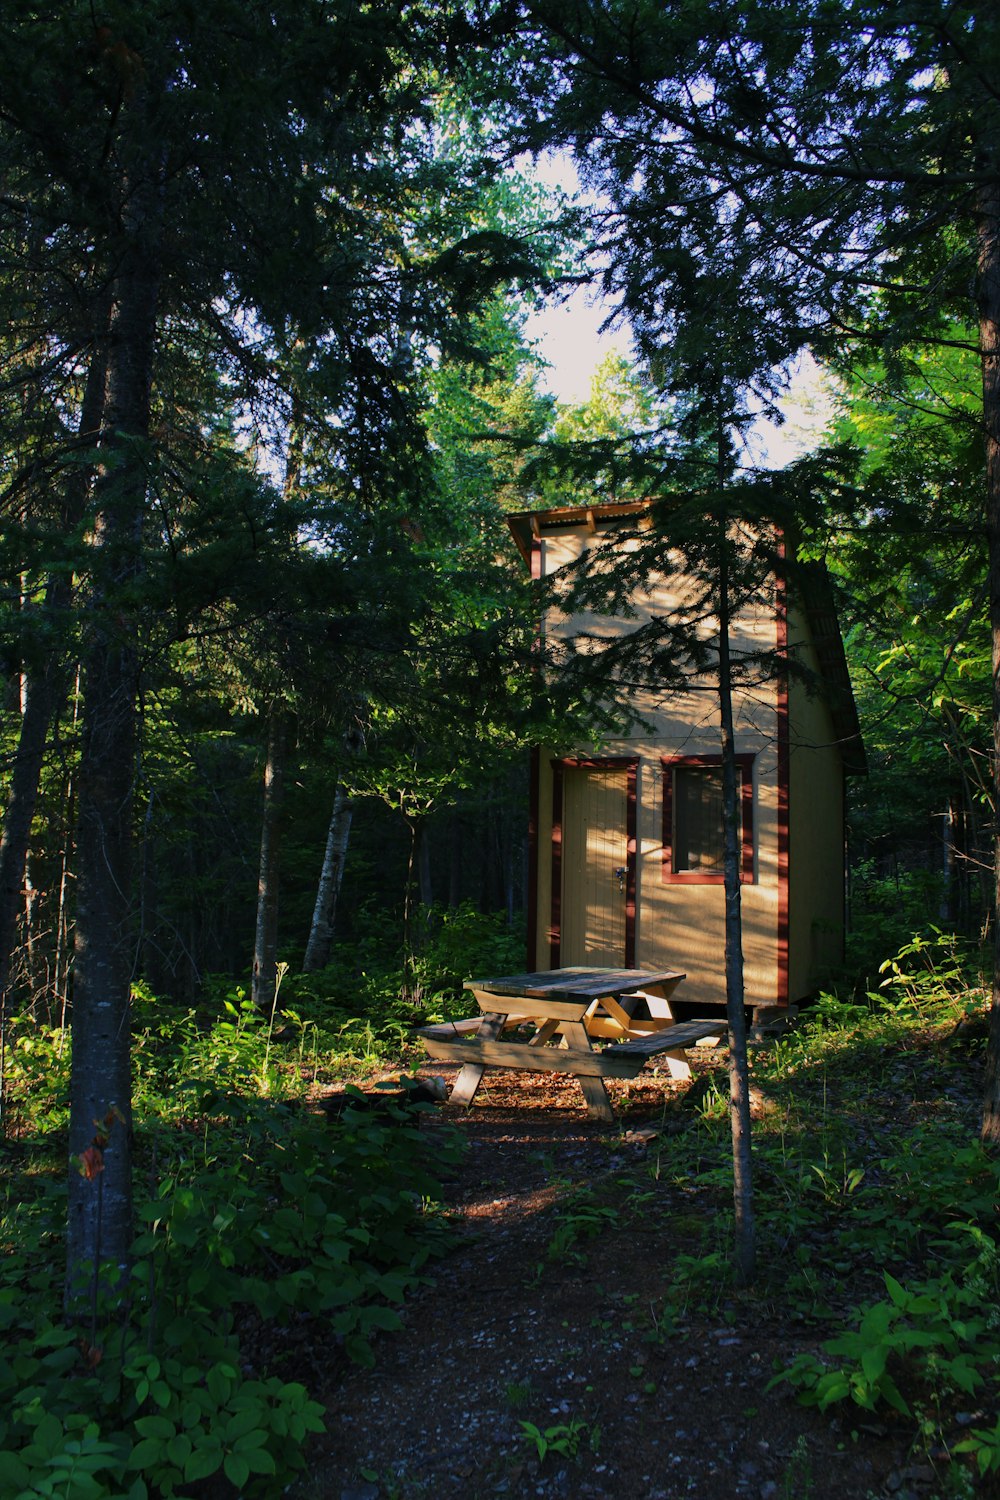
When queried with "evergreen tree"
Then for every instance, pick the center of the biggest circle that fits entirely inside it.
(234, 172)
(785, 175)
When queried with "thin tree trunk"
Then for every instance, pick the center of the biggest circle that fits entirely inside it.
(415, 825)
(265, 948)
(455, 851)
(425, 885)
(331, 877)
(100, 1182)
(42, 696)
(264, 979)
(989, 332)
(745, 1247)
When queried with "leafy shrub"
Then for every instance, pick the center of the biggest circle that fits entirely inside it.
(284, 1214)
(363, 985)
(885, 910)
(941, 1332)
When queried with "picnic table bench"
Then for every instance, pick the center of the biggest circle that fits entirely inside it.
(554, 1016)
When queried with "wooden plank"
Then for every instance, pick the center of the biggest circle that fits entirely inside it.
(595, 1093)
(670, 1039)
(545, 1033)
(530, 1008)
(471, 1076)
(606, 1027)
(615, 1012)
(478, 1054)
(572, 983)
(656, 999)
(450, 1028)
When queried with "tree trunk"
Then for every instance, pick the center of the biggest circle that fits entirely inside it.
(415, 825)
(43, 693)
(100, 1185)
(744, 1246)
(265, 948)
(989, 329)
(331, 877)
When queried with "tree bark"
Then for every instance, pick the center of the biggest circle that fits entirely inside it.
(100, 1186)
(989, 331)
(745, 1239)
(415, 826)
(331, 877)
(265, 948)
(44, 691)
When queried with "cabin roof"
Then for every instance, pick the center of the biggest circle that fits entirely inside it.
(812, 587)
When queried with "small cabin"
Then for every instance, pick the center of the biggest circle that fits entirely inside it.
(626, 840)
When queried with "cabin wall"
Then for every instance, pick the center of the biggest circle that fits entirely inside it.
(678, 924)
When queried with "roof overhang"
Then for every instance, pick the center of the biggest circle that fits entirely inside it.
(527, 526)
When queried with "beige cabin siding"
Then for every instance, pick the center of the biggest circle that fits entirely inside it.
(792, 909)
(676, 925)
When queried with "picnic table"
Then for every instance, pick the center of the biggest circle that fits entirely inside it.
(555, 1016)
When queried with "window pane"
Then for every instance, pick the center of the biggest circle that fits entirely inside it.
(698, 818)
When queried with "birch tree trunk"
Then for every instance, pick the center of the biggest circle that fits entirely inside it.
(265, 948)
(331, 877)
(415, 826)
(264, 978)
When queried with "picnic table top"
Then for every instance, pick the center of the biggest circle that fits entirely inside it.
(575, 983)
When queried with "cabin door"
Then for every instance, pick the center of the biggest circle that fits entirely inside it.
(597, 895)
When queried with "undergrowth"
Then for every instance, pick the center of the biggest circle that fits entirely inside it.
(253, 1212)
(876, 1212)
(876, 1209)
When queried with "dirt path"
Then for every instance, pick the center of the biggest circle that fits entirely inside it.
(553, 1313)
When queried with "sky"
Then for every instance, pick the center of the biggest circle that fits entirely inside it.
(569, 337)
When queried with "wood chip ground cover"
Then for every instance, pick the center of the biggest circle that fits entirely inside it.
(550, 1355)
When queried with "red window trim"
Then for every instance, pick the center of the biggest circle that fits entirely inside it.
(695, 877)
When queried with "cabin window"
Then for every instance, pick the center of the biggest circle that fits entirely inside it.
(692, 818)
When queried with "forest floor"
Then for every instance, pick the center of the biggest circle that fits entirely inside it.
(551, 1355)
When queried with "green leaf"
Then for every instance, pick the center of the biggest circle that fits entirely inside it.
(156, 1427)
(205, 1460)
(242, 1422)
(220, 1385)
(237, 1469)
(147, 1453)
(259, 1461)
(14, 1473)
(891, 1392)
(898, 1294)
(179, 1449)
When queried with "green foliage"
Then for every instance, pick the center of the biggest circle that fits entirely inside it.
(933, 971)
(580, 1217)
(361, 994)
(943, 1332)
(563, 1438)
(254, 1211)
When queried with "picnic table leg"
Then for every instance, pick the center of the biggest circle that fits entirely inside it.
(593, 1089)
(657, 998)
(471, 1076)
